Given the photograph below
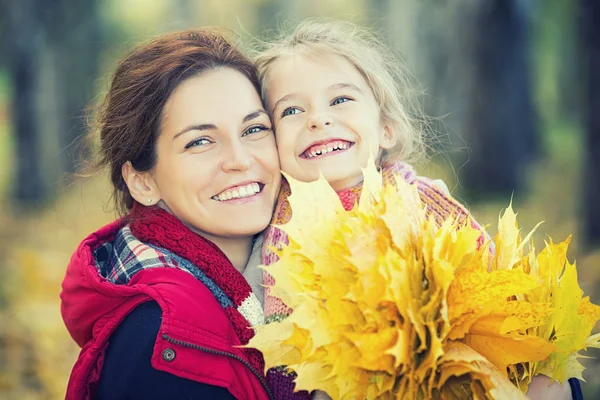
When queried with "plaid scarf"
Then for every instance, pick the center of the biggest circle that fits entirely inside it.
(157, 239)
(439, 204)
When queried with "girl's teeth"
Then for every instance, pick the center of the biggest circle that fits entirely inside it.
(328, 149)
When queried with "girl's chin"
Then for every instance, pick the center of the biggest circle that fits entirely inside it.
(336, 176)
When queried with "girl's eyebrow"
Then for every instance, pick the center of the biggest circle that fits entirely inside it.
(337, 86)
(284, 98)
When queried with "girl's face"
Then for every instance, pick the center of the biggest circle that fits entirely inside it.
(217, 167)
(325, 118)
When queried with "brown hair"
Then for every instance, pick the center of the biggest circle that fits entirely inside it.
(128, 119)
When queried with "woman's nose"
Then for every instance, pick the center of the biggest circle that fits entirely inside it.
(237, 158)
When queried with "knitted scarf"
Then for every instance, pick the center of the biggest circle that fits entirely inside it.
(156, 239)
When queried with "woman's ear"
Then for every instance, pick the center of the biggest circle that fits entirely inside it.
(389, 136)
(141, 185)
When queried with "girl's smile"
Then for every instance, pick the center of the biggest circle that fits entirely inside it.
(324, 148)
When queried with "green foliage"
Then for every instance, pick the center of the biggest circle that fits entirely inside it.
(6, 142)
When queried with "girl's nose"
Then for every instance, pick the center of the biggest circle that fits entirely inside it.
(319, 121)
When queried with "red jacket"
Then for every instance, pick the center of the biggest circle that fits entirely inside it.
(196, 339)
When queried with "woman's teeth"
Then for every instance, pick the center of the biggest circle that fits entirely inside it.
(324, 149)
(239, 192)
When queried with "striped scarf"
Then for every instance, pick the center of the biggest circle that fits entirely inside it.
(439, 204)
(157, 239)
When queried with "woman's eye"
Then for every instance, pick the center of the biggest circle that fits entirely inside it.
(340, 100)
(198, 142)
(290, 111)
(255, 129)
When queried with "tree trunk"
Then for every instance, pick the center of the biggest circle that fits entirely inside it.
(502, 131)
(74, 34)
(24, 51)
(590, 47)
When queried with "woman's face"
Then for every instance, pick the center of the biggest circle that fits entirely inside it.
(217, 166)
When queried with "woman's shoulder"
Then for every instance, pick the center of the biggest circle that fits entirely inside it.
(84, 251)
(83, 292)
(139, 327)
(128, 369)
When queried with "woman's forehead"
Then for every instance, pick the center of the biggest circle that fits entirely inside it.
(220, 96)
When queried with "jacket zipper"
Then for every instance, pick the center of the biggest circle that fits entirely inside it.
(262, 381)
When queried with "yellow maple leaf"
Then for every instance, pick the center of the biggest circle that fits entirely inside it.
(569, 322)
(389, 304)
(359, 286)
(476, 293)
(568, 327)
(484, 379)
(508, 242)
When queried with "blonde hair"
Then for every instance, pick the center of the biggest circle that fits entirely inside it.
(382, 70)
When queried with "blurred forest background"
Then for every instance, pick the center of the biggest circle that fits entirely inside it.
(511, 86)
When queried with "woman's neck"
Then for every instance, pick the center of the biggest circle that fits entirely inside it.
(237, 249)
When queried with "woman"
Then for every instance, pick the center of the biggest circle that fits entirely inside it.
(157, 299)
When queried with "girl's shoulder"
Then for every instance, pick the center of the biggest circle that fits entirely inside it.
(434, 194)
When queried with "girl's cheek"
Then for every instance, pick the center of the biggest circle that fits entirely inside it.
(284, 147)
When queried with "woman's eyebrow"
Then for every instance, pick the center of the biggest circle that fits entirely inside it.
(212, 127)
(195, 127)
(254, 115)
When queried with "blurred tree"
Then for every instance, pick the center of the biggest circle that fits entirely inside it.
(73, 29)
(24, 55)
(53, 61)
(558, 65)
(433, 39)
(183, 13)
(569, 84)
(501, 126)
(3, 32)
(590, 52)
(270, 14)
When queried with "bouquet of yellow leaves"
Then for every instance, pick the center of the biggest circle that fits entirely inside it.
(389, 305)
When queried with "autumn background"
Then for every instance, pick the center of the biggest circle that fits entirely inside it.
(510, 86)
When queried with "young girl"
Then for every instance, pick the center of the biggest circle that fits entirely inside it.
(336, 96)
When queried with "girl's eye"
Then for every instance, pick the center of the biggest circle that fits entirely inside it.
(340, 100)
(255, 129)
(198, 142)
(290, 111)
